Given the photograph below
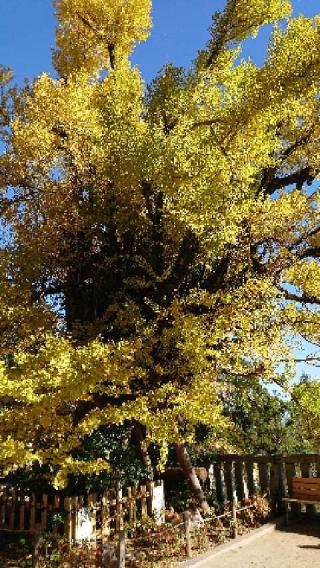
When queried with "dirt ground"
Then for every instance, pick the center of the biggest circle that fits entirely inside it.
(296, 546)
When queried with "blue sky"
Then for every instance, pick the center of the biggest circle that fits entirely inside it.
(27, 29)
(180, 29)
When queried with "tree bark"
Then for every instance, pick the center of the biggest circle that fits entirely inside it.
(191, 476)
(139, 440)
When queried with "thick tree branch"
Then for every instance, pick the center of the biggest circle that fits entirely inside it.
(269, 179)
(185, 259)
(154, 200)
(215, 279)
(310, 252)
(302, 298)
(112, 56)
(303, 238)
(206, 122)
(270, 183)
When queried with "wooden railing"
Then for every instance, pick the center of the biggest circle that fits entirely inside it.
(105, 512)
(237, 476)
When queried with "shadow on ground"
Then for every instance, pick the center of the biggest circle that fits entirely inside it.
(303, 524)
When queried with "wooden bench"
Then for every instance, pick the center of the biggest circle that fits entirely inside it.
(306, 491)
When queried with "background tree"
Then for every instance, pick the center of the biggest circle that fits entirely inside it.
(264, 421)
(306, 413)
(156, 242)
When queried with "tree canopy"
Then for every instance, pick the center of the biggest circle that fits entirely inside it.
(154, 239)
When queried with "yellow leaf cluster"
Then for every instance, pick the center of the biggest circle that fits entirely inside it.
(93, 34)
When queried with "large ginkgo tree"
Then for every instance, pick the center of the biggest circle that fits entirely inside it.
(154, 239)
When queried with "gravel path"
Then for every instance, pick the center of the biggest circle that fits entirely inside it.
(297, 546)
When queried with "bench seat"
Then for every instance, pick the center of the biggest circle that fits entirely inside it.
(306, 491)
(302, 501)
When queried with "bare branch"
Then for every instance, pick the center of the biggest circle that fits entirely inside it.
(309, 359)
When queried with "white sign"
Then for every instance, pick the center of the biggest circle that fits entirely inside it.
(84, 524)
(158, 504)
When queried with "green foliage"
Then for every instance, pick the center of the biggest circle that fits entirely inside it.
(261, 418)
(305, 421)
(125, 464)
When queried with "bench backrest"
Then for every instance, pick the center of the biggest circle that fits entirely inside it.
(306, 488)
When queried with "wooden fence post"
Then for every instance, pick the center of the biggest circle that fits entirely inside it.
(234, 519)
(119, 505)
(92, 502)
(105, 516)
(67, 520)
(252, 478)
(240, 481)
(229, 480)
(291, 471)
(134, 507)
(283, 485)
(264, 478)
(186, 519)
(56, 507)
(275, 487)
(150, 490)
(12, 509)
(44, 513)
(122, 549)
(21, 512)
(74, 518)
(220, 483)
(143, 492)
(3, 502)
(36, 549)
(306, 471)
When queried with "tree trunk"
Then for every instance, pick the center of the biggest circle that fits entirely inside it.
(138, 437)
(139, 440)
(191, 476)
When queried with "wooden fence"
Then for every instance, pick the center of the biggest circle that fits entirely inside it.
(231, 477)
(236, 477)
(106, 513)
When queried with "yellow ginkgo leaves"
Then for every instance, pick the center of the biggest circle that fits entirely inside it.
(95, 35)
